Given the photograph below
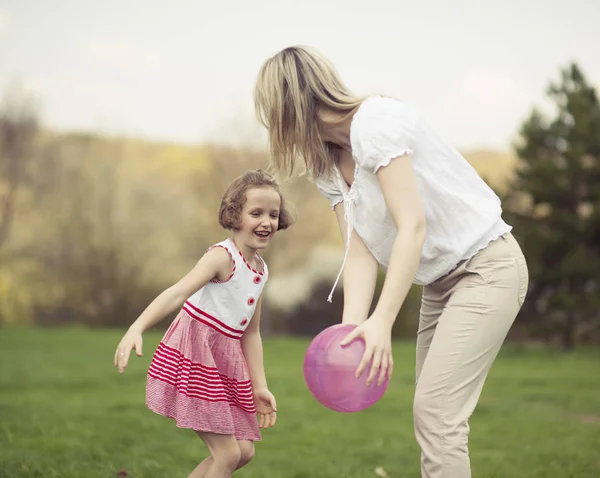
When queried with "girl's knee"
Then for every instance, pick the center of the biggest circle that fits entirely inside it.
(228, 457)
(246, 452)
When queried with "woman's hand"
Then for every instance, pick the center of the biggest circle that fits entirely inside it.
(266, 407)
(131, 340)
(377, 334)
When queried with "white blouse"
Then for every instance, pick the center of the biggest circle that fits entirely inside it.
(462, 213)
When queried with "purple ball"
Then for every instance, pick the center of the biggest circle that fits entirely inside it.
(329, 372)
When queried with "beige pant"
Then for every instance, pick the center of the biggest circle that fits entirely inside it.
(465, 317)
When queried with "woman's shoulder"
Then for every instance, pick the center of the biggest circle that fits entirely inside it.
(383, 128)
(379, 109)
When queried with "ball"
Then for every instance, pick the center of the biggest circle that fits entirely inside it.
(330, 372)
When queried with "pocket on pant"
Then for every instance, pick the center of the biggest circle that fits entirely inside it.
(486, 264)
(496, 265)
(523, 271)
(474, 267)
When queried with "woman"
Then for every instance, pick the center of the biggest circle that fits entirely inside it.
(408, 201)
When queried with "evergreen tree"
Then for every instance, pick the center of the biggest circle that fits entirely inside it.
(554, 204)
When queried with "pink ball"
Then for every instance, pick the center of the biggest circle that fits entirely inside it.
(329, 372)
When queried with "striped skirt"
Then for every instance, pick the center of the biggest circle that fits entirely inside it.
(199, 378)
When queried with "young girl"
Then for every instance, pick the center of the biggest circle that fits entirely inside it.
(207, 372)
(407, 200)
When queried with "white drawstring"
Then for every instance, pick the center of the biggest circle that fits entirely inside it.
(349, 215)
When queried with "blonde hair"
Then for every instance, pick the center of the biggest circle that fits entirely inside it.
(291, 88)
(234, 198)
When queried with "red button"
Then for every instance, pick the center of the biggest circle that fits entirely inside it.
(257, 279)
(244, 322)
(251, 301)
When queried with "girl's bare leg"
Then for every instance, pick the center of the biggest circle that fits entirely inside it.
(225, 456)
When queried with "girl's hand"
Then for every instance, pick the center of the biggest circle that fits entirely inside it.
(266, 407)
(377, 334)
(131, 340)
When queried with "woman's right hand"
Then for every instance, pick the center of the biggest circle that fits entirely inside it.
(131, 340)
(377, 334)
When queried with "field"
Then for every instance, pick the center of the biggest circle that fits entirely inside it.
(66, 413)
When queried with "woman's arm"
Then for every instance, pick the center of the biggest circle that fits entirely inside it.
(215, 263)
(399, 186)
(359, 276)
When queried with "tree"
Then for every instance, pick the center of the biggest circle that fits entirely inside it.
(554, 204)
(18, 131)
(103, 230)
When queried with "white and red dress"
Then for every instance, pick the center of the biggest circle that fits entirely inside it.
(198, 375)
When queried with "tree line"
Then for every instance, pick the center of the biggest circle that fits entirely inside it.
(91, 228)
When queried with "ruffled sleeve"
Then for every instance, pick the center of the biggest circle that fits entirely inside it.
(382, 129)
(329, 190)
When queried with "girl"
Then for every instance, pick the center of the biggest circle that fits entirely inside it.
(207, 372)
(408, 201)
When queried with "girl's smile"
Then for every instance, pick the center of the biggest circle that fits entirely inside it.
(259, 219)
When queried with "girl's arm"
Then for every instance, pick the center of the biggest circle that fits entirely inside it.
(359, 275)
(215, 263)
(399, 186)
(252, 349)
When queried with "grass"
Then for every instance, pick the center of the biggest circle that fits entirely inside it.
(65, 412)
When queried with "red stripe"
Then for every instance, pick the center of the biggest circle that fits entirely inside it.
(165, 350)
(163, 355)
(201, 382)
(203, 393)
(214, 398)
(263, 264)
(175, 353)
(250, 267)
(196, 383)
(210, 324)
(208, 316)
(202, 389)
(246, 262)
(247, 408)
(159, 367)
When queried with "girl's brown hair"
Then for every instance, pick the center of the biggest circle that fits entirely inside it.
(234, 199)
(290, 89)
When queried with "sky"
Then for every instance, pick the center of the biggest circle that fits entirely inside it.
(183, 71)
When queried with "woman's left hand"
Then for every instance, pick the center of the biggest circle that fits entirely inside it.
(377, 334)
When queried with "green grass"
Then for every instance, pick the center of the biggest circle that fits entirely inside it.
(65, 412)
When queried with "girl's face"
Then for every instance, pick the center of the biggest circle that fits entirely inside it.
(259, 217)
